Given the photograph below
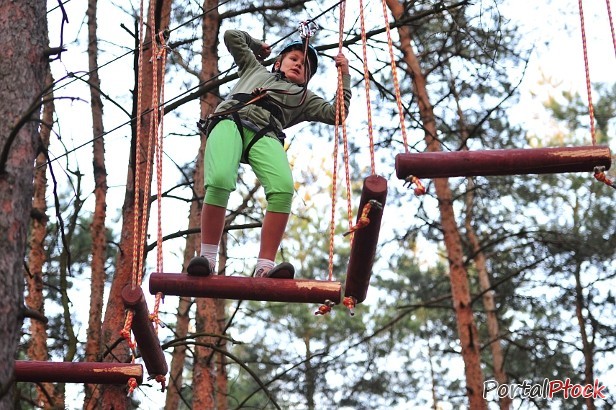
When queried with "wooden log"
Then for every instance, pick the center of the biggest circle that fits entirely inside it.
(443, 164)
(244, 288)
(366, 239)
(145, 334)
(77, 372)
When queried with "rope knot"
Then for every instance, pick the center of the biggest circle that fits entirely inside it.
(601, 177)
(363, 220)
(132, 385)
(162, 380)
(350, 302)
(419, 187)
(325, 308)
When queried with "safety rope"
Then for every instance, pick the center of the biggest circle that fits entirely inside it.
(394, 72)
(599, 172)
(591, 111)
(339, 122)
(609, 15)
(363, 220)
(411, 180)
(162, 56)
(367, 83)
(141, 196)
(132, 385)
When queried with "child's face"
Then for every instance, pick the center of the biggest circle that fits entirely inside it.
(292, 65)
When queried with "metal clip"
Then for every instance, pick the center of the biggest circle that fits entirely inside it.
(307, 29)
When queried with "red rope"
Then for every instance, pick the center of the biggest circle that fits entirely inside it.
(591, 111)
(609, 14)
(339, 123)
(601, 177)
(367, 84)
(363, 220)
(132, 385)
(394, 72)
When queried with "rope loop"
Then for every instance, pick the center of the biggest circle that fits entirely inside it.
(160, 378)
(325, 308)
(350, 302)
(601, 177)
(363, 219)
(125, 332)
(132, 385)
(420, 189)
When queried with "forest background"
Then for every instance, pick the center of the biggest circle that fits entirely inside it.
(536, 251)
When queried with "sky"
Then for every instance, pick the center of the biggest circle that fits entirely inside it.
(553, 27)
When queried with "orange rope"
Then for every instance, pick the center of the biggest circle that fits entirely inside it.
(138, 145)
(345, 140)
(601, 177)
(161, 55)
(609, 14)
(128, 321)
(132, 385)
(394, 72)
(141, 196)
(420, 189)
(125, 333)
(338, 123)
(154, 104)
(591, 111)
(363, 220)
(367, 84)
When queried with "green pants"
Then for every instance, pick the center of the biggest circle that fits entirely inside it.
(267, 158)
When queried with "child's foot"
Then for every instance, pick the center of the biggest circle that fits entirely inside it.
(199, 266)
(282, 271)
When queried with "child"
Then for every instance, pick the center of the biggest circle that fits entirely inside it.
(247, 127)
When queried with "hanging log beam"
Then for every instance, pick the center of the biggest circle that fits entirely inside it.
(243, 288)
(502, 162)
(145, 334)
(365, 241)
(73, 372)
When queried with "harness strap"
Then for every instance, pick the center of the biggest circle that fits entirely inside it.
(264, 102)
(206, 126)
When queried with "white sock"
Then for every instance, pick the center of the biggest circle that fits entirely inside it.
(210, 252)
(263, 266)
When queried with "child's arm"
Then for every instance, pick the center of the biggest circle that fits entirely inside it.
(318, 109)
(244, 49)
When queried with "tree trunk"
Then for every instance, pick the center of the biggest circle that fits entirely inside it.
(174, 389)
(115, 396)
(97, 229)
(221, 364)
(587, 344)
(23, 70)
(489, 305)
(206, 383)
(498, 361)
(37, 350)
(467, 330)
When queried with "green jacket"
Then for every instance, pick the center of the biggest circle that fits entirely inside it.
(252, 74)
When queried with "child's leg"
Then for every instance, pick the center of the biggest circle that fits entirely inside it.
(221, 162)
(269, 162)
(274, 226)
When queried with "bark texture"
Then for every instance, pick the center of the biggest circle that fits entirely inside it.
(23, 69)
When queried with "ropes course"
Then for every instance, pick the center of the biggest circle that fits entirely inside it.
(363, 234)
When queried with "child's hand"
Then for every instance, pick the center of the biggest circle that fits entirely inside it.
(342, 62)
(265, 51)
